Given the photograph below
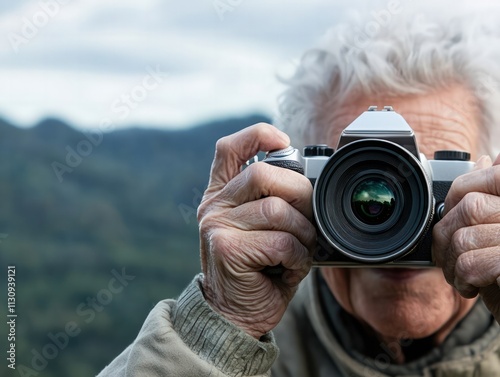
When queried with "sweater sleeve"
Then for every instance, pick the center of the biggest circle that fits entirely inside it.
(187, 338)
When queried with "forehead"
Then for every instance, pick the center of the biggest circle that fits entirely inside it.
(444, 119)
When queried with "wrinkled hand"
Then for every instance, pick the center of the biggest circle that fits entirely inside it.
(466, 242)
(249, 220)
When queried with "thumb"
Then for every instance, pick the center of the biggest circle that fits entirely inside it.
(485, 162)
(232, 151)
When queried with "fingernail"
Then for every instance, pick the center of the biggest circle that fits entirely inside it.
(284, 137)
(483, 162)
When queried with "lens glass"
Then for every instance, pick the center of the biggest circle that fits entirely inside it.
(373, 201)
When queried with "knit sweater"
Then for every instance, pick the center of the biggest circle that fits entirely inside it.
(185, 337)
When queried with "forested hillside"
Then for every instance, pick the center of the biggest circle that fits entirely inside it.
(99, 227)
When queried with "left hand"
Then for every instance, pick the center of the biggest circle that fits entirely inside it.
(466, 242)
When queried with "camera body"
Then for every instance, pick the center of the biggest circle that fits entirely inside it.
(376, 198)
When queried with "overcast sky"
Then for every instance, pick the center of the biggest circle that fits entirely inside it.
(153, 63)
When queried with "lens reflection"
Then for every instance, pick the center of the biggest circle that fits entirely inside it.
(373, 201)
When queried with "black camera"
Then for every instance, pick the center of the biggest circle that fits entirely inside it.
(376, 198)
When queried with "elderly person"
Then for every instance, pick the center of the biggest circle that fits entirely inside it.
(235, 319)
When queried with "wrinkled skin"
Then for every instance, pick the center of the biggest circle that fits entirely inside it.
(249, 220)
(467, 240)
(261, 217)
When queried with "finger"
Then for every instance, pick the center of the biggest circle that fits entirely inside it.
(485, 180)
(232, 151)
(238, 252)
(474, 209)
(464, 240)
(477, 269)
(483, 163)
(262, 180)
(475, 237)
(272, 213)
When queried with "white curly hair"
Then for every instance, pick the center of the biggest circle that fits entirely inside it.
(397, 51)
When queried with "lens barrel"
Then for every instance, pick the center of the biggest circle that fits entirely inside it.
(373, 201)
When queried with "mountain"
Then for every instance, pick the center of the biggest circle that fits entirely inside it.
(76, 210)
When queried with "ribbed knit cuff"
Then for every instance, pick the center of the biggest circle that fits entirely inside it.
(218, 341)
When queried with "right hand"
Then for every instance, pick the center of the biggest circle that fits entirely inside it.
(250, 220)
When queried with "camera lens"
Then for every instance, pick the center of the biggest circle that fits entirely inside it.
(373, 201)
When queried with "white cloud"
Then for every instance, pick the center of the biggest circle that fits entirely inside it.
(90, 53)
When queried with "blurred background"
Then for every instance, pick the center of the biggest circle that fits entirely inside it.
(109, 113)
